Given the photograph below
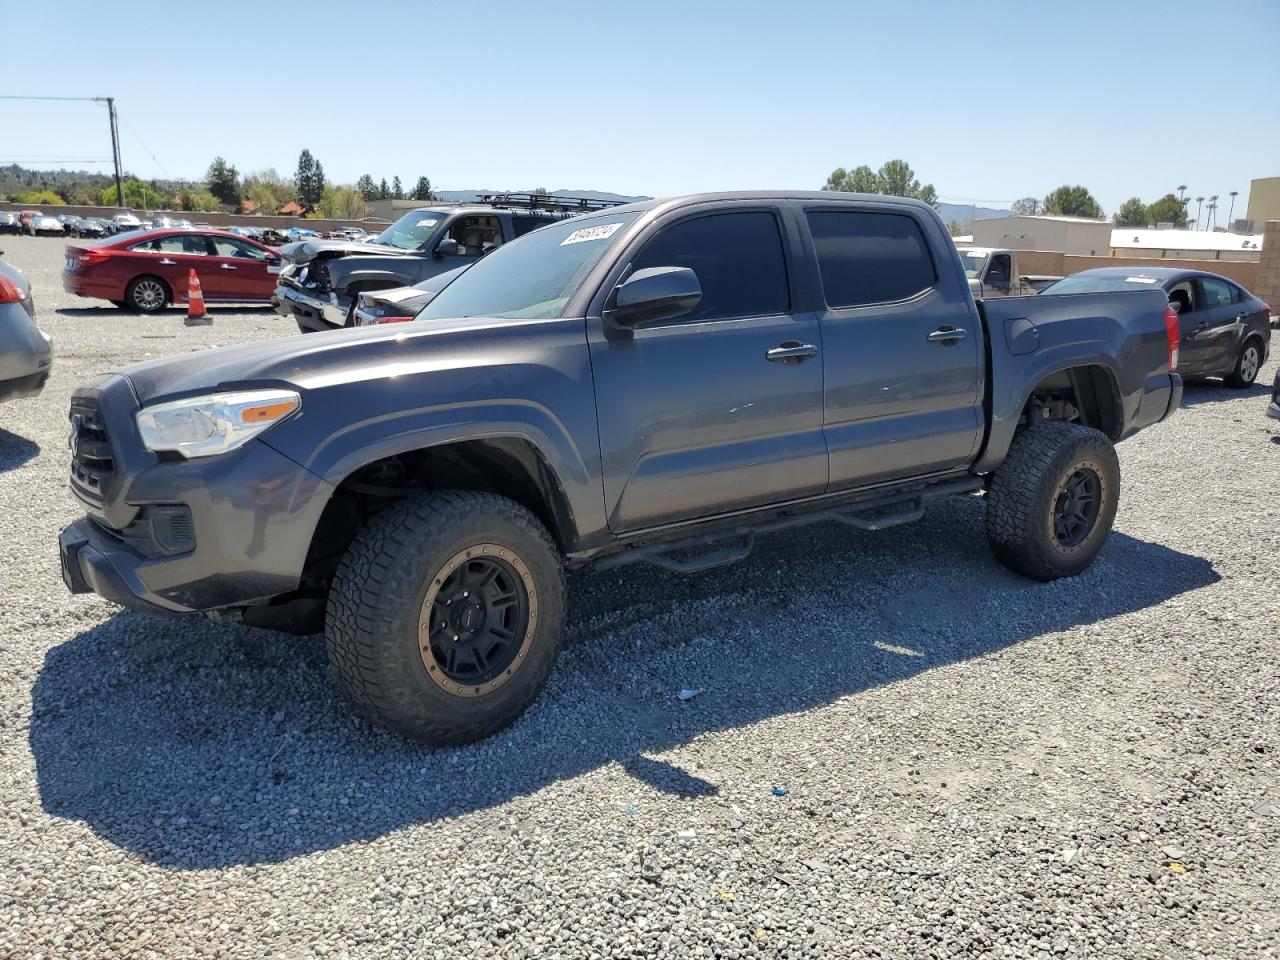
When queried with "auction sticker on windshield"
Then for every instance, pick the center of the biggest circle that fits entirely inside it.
(1139, 279)
(591, 233)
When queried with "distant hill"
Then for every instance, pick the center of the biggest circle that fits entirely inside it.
(964, 213)
(471, 196)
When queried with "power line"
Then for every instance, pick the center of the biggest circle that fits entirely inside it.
(115, 133)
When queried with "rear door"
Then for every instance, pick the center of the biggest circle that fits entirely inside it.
(240, 271)
(696, 417)
(902, 355)
(171, 257)
(1218, 323)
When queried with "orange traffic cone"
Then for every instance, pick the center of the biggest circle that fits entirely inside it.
(195, 302)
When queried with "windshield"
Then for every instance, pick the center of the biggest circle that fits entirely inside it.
(1104, 283)
(972, 263)
(411, 230)
(532, 277)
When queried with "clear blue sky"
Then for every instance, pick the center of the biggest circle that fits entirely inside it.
(986, 101)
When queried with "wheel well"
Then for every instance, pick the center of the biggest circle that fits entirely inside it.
(1086, 395)
(508, 466)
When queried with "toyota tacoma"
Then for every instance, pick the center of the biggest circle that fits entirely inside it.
(661, 382)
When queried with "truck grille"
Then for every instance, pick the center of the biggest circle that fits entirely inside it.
(92, 463)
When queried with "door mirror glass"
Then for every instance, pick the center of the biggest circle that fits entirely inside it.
(1177, 305)
(448, 247)
(652, 294)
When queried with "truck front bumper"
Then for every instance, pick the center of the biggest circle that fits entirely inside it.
(311, 311)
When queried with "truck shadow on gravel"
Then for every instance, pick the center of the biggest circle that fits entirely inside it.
(197, 745)
(15, 450)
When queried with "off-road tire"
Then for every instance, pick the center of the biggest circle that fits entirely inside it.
(131, 294)
(376, 604)
(1025, 490)
(1245, 371)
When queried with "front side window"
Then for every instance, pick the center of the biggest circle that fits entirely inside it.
(1000, 269)
(533, 277)
(226, 247)
(738, 258)
(411, 231)
(867, 257)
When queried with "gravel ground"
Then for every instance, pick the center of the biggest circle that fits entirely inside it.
(900, 750)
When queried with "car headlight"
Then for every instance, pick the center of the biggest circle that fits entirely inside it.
(217, 423)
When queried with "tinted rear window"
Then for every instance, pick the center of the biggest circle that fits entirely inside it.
(1103, 283)
(869, 257)
(738, 259)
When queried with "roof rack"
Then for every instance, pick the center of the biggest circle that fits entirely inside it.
(545, 201)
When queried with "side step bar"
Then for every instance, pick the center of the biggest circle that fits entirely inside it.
(736, 543)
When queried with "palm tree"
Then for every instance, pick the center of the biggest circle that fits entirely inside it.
(1199, 200)
(1213, 205)
(1232, 209)
(1182, 188)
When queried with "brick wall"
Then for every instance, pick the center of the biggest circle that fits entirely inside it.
(1267, 285)
(1249, 275)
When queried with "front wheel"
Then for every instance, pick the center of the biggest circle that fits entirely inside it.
(445, 616)
(1247, 365)
(1051, 504)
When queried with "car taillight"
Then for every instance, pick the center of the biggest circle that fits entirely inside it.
(10, 292)
(90, 257)
(1172, 335)
(393, 318)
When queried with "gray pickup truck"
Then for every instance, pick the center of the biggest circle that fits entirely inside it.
(661, 382)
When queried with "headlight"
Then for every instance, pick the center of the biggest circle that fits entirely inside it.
(204, 426)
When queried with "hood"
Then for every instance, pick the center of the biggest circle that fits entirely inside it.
(306, 360)
(304, 251)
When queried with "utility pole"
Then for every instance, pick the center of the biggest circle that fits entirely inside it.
(115, 148)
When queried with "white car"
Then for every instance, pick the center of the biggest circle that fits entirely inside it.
(126, 221)
(46, 225)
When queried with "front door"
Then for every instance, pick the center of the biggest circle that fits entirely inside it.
(239, 271)
(1219, 311)
(902, 357)
(701, 414)
(172, 257)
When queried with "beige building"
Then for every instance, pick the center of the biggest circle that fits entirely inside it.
(1071, 235)
(1264, 201)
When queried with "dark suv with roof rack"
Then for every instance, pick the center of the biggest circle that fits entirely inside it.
(322, 279)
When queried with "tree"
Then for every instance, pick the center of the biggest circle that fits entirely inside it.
(1199, 201)
(1168, 209)
(397, 191)
(41, 198)
(1182, 189)
(895, 179)
(196, 200)
(955, 228)
(859, 180)
(1231, 211)
(1132, 213)
(136, 194)
(224, 181)
(366, 188)
(383, 192)
(268, 190)
(1026, 207)
(1068, 201)
(309, 180)
(342, 203)
(422, 190)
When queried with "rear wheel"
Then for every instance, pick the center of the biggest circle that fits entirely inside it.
(147, 294)
(1247, 365)
(1051, 504)
(445, 616)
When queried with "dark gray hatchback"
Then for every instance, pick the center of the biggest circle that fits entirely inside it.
(1225, 331)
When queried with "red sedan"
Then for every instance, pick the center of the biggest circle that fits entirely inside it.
(149, 270)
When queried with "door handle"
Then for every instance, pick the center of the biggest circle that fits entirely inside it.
(947, 335)
(167, 262)
(226, 266)
(791, 351)
(1202, 325)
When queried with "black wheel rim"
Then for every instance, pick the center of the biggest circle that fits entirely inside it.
(477, 620)
(1076, 507)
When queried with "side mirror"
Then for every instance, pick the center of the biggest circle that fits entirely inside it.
(448, 247)
(1177, 305)
(655, 293)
